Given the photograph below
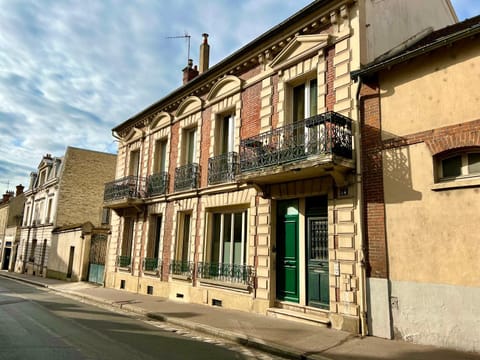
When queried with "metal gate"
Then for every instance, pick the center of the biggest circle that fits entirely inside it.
(98, 251)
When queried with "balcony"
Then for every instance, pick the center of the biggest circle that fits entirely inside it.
(157, 184)
(186, 177)
(124, 261)
(231, 273)
(181, 268)
(223, 168)
(125, 192)
(301, 150)
(152, 265)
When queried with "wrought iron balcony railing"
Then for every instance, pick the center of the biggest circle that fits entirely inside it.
(329, 133)
(223, 168)
(186, 177)
(239, 274)
(183, 268)
(127, 187)
(157, 184)
(124, 261)
(152, 264)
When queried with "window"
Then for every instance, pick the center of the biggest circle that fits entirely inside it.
(304, 100)
(32, 251)
(189, 138)
(182, 253)
(105, 216)
(125, 257)
(160, 156)
(225, 127)
(135, 163)
(43, 175)
(228, 238)
(459, 164)
(153, 247)
(26, 216)
(49, 211)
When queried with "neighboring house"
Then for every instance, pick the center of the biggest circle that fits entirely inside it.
(420, 124)
(11, 212)
(241, 188)
(63, 209)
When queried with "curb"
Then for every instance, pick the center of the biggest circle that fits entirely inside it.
(239, 338)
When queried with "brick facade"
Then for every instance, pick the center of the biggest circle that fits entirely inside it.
(372, 184)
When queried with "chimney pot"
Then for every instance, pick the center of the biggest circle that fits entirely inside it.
(204, 55)
(189, 72)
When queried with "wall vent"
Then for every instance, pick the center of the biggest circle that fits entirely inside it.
(216, 302)
(149, 290)
(122, 284)
(179, 295)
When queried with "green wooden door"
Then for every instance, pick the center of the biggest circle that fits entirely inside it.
(287, 250)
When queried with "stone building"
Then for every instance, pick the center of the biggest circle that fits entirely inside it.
(11, 212)
(420, 124)
(242, 188)
(63, 205)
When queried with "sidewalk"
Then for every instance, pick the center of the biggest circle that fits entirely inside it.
(285, 338)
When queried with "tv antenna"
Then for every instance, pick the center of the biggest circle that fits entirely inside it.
(187, 37)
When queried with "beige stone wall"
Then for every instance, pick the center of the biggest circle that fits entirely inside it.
(430, 92)
(59, 259)
(432, 235)
(81, 185)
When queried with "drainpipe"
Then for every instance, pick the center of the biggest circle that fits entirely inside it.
(358, 180)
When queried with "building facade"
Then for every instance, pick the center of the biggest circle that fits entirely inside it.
(11, 213)
(64, 195)
(242, 188)
(420, 120)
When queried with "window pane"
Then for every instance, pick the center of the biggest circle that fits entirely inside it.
(474, 163)
(313, 97)
(237, 239)
(214, 257)
(299, 103)
(452, 166)
(227, 230)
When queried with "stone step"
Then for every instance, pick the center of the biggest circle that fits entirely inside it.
(317, 318)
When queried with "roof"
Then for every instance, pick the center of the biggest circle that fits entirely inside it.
(229, 60)
(425, 44)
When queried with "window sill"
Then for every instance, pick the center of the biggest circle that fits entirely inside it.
(124, 268)
(226, 285)
(456, 184)
(151, 273)
(182, 277)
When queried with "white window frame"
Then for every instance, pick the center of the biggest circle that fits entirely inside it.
(244, 241)
(464, 171)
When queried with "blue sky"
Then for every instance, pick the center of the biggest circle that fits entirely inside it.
(71, 70)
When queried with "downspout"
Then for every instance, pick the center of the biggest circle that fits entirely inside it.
(358, 181)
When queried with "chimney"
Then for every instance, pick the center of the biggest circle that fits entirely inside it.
(204, 54)
(7, 196)
(190, 72)
(20, 188)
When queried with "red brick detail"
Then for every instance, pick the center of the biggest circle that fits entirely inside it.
(205, 146)
(174, 141)
(167, 240)
(250, 114)
(330, 78)
(372, 175)
(442, 139)
(275, 101)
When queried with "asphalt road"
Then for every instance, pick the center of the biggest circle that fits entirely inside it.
(38, 324)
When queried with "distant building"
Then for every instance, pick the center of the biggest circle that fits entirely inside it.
(63, 207)
(420, 124)
(11, 211)
(242, 188)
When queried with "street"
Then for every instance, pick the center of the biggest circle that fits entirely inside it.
(39, 324)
